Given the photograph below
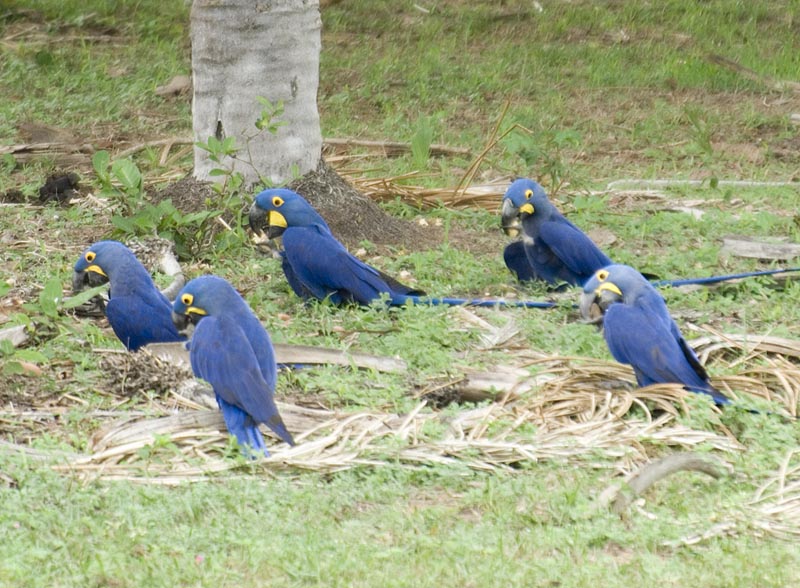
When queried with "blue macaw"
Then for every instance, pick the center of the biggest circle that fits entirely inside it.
(137, 311)
(639, 330)
(552, 248)
(231, 350)
(315, 263)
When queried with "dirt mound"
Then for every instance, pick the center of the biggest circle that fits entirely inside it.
(352, 217)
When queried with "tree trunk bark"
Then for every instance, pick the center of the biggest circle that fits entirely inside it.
(244, 49)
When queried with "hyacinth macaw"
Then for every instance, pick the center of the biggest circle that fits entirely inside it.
(137, 311)
(231, 350)
(552, 248)
(315, 263)
(639, 330)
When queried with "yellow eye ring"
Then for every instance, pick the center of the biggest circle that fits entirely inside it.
(528, 194)
(90, 255)
(187, 299)
(602, 275)
(277, 201)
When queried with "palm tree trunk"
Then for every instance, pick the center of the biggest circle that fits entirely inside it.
(245, 49)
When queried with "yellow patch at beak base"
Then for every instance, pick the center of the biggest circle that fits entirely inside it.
(527, 207)
(96, 269)
(276, 219)
(610, 286)
(195, 310)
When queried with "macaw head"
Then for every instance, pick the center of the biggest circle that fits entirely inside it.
(610, 285)
(202, 297)
(282, 209)
(99, 263)
(523, 198)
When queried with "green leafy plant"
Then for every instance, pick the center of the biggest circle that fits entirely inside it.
(121, 181)
(135, 215)
(218, 151)
(269, 116)
(226, 153)
(45, 317)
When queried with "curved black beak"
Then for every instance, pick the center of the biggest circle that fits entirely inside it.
(510, 219)
(181, 321)
(82, 280)
(257, 218)
(185, 323)
(595, 304)
(275, 231)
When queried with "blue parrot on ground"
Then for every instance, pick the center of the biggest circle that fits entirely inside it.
(640, 332)
(137, 311)
(315, 263)
(231, 350)
(552, 248)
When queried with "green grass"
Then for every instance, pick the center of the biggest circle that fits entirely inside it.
(566, 67)
(384, 527)
(601, 105)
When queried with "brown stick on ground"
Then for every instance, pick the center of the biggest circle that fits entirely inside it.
(657, 470)
(770, 82)
(394, 148)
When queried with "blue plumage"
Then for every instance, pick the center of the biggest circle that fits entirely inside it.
(231, 350)
(552, 248)
(640, 332)
(137, 311)
(315, 263)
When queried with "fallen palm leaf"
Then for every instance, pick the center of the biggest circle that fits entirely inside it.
(550, 408)
(719, 344)
(388, 189)
(176, 354)
(496, 436)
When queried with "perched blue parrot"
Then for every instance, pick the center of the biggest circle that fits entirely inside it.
(552, 248)
(315, 263)
(639, 330)
(231, 350)
(137, 311)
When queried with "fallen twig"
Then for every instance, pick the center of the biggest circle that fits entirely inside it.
(650, 473)
(395, 148)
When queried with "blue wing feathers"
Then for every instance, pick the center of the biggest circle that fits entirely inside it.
(517, 261)
(326, 269)
(224, 357)
(143, 319)
(579, 255)
(646, 339)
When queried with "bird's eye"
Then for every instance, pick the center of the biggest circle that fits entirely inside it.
(187, 299)
(90, 255)
(277, 201)
(528, 194)
(602, 275)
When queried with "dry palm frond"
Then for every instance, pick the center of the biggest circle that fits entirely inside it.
(388, 189)
(738, 344)
(776, 505)
(549, 408)
(768, 367)
(487, 438)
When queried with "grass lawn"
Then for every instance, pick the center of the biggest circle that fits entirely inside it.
(599, 92)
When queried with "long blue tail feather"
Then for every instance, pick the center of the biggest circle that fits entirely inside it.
(485, 302)
(501, 303)
(722, 278)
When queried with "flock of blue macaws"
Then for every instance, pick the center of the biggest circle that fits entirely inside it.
(231, 350)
